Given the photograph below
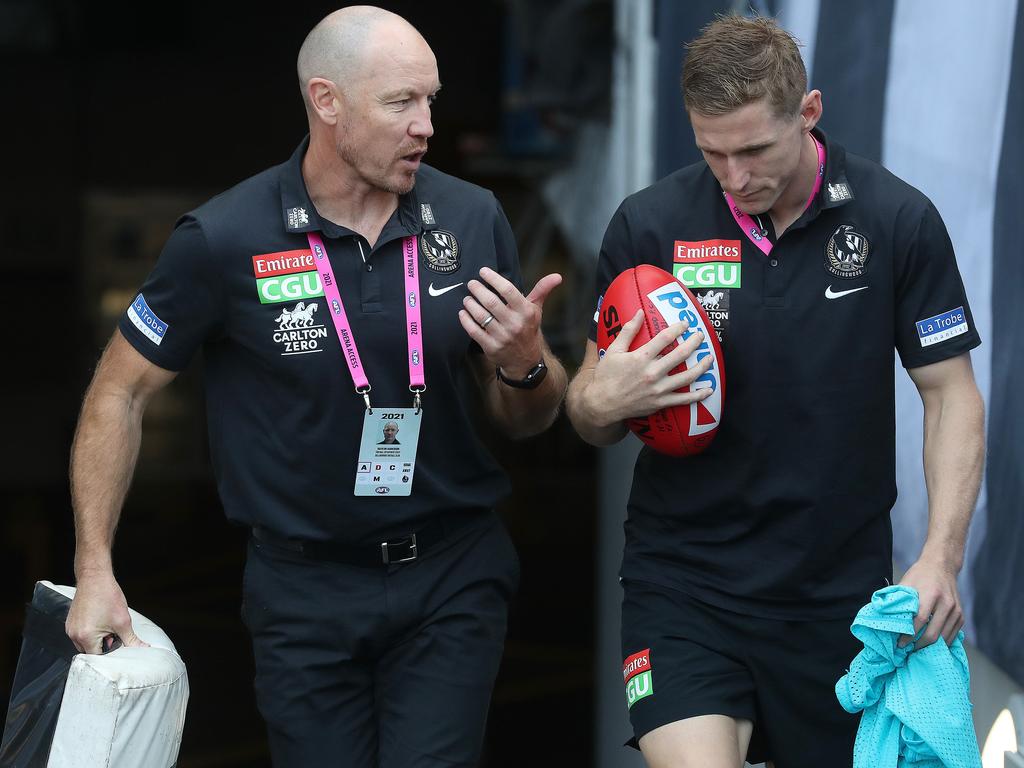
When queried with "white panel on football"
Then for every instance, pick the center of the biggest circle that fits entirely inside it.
(672, 312)
(942, 132)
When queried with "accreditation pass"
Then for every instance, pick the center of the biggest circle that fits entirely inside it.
(387, 452)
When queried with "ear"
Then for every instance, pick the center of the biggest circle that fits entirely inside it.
(810, 110)
(322, 96)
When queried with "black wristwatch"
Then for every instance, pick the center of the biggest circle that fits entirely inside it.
(531, 380)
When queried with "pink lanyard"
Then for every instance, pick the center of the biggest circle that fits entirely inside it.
(750, 227)
(410, 252)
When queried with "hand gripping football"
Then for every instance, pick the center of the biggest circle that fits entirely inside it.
(682, 430)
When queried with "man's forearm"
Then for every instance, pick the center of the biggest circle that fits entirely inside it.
(589, 424)
(526, 412)
(954, 457)
(103, 456)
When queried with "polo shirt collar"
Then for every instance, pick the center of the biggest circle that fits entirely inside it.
(299, 215)
(836, 189)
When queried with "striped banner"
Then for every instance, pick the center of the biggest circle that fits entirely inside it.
(998, 568)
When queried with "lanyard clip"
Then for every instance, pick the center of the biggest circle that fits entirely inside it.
(417, 401)
(366, 397)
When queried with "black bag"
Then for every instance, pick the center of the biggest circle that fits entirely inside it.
(46, 655)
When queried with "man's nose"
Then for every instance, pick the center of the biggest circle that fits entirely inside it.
(421, 126)
(737, 174)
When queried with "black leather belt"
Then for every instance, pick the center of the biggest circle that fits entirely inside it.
(403, 549)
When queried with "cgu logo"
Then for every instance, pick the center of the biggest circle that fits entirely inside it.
(304, 285)
(713, 275)
(638, 687)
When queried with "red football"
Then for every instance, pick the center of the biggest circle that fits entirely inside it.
(684, 429)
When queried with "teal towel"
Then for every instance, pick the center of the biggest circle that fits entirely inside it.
(916, 705)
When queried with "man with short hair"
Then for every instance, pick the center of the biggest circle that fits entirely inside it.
(342, 293)
(745, 564)
(390, 434)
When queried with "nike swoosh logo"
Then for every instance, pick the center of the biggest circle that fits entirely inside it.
(830, 294)
(441, 291)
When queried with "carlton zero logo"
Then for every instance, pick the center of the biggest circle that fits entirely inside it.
(297, 330)
(286, 276)
(716, 307)
(636, 674)
(703, 264)
(297, 217)
(838, 192)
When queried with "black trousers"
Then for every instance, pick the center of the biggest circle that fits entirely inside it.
(389, 666)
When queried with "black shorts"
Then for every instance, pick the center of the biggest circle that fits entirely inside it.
(684, 658)
(372, 667)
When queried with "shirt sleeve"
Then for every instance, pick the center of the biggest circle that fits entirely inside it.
(615, 257)
(933, 317)
(181, 302)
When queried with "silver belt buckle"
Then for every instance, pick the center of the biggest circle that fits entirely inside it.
(385, 553)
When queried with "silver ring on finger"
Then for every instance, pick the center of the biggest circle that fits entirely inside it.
(487, 321)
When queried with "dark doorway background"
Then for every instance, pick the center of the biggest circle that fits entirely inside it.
(118, 117)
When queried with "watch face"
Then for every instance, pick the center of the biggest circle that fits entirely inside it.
(532, 379)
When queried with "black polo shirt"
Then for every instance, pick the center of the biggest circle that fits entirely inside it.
(787, 513)
(284, 419)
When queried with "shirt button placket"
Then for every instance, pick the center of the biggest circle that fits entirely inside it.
(774, 281)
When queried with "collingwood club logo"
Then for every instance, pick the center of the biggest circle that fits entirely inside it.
(297, 332)
(440, 251)
(847, 252)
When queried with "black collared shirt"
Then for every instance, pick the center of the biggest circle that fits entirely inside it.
(787, 513)
(236, 279)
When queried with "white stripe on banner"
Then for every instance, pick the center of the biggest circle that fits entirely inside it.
(949, 67)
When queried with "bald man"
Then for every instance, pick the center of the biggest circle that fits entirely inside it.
(348, 290)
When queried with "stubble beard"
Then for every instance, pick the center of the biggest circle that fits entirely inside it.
(377, 176)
